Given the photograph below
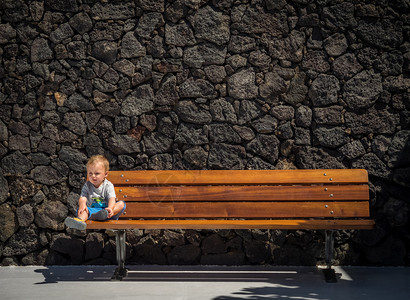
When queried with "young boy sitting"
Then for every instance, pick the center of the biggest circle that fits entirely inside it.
(97, 200)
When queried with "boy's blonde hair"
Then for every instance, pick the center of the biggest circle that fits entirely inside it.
(99, 159)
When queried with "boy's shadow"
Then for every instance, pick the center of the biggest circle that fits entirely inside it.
(55, 274)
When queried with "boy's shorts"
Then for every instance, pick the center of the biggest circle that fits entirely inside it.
(93, 210)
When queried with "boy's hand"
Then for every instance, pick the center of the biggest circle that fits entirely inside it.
(110, 212)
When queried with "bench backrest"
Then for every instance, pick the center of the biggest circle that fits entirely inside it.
(249, 194)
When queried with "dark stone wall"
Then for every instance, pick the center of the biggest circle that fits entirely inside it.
(196, 84)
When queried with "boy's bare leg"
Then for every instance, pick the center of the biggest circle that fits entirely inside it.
(119, 205)
(83, 216)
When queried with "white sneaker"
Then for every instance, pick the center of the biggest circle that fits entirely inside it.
(75, 223)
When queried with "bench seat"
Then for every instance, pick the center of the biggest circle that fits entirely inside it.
(329, 200)
(233, 224)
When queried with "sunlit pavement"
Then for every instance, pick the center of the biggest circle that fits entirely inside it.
(203, 282)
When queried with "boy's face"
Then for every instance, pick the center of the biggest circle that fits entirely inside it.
(96, 173)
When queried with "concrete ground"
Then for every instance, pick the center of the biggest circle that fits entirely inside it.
(203, 282)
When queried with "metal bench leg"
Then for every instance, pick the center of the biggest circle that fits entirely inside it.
(121, 271)
(330, 275)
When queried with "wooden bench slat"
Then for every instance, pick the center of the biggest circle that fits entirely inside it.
(218, 177)
(243, 193)
(232, 224)
(247, 209)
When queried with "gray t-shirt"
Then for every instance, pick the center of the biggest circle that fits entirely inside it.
(98, 197)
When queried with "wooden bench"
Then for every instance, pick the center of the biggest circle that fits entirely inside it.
(240, 199)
